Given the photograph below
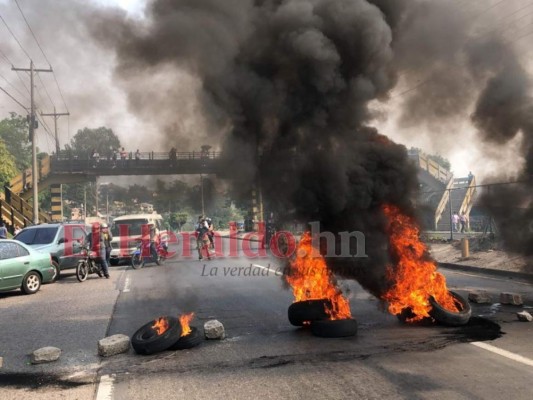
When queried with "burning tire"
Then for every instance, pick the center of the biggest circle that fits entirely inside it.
(147, 341)
(193, 339)
(334, 328)
(308, 311)
(451, 318)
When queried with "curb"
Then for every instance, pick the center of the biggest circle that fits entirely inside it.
(488, 271)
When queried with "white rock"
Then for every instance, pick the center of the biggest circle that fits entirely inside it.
(479, 296)
(113, 345)
(524, 316)
(45, 355)
(511, 298)
(214, 329)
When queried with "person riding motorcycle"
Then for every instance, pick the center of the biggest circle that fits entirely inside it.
(96, 243)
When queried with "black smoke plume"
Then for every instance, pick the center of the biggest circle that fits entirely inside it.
(291, 81)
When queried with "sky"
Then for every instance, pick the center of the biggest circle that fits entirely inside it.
(94, 97)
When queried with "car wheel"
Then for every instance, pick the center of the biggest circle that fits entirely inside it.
(451, 318)
(334, 329)
(193, 339)
(31, 282)
(307, 311)
(82, 271)
(57, 271)
(146, 341)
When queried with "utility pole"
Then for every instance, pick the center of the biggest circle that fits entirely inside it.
(56, 115)
(33, 126)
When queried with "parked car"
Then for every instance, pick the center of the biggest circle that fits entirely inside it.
(62, 241)
(24, 268)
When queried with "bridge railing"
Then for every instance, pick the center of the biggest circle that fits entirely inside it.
(146, 155)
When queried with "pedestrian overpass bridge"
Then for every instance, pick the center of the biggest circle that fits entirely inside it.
(71, 168)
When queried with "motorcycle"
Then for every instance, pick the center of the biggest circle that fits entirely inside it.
(89, 264)
(143, 254)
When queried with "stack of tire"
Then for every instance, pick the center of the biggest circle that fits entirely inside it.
(146, 340)
(313, 313)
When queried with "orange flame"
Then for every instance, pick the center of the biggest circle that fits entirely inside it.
(414, 275)
(185, 319)
(310, 279)
(160, 325)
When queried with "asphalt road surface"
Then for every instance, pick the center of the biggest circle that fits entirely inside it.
(263, 356)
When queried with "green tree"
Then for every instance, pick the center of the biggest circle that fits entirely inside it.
(8, 168)
(86, 140)
(14, 133)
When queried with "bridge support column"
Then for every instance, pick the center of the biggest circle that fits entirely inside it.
(57, 201)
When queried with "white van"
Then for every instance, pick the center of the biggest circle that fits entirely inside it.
(134, 225)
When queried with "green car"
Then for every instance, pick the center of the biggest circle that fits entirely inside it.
(24, 268)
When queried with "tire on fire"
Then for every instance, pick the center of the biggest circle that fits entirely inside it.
(147, 341)
(193, 339)
(334, 328)
(451, 318)
(308, 311)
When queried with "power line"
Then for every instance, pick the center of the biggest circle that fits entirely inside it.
(12, 34)
(14, 87)
(31, 30)
(44, 55)
(46, 90)
(13, 98)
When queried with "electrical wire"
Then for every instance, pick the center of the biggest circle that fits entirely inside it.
(44, 55)
(13, 98)
(14, 87)
(12, 34)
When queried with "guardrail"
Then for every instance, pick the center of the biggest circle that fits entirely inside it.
(443, 201)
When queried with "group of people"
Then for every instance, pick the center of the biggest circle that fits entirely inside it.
(204, 236)
(114, 155)
(460, 223)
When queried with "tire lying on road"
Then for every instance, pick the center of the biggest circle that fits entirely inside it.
(308, 311)
(193, 339)
(147, 341)
(451, 318)
(334, 328)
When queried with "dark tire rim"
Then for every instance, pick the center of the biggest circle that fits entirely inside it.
(146, 341)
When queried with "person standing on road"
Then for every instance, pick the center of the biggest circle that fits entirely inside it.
(97, 244)
(108, 237)
(464, 221)
(455, 221)
(3, 230)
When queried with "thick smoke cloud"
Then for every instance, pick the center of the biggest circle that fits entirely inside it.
(291, 81)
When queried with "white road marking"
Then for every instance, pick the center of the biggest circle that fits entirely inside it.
(105, 388)
(267, 268)
(504, 353)
(126, 285)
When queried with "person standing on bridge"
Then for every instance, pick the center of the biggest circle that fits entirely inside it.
(464, 222)
(123, 156)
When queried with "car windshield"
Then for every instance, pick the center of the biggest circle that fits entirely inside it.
(134, 226)
(37, 235)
